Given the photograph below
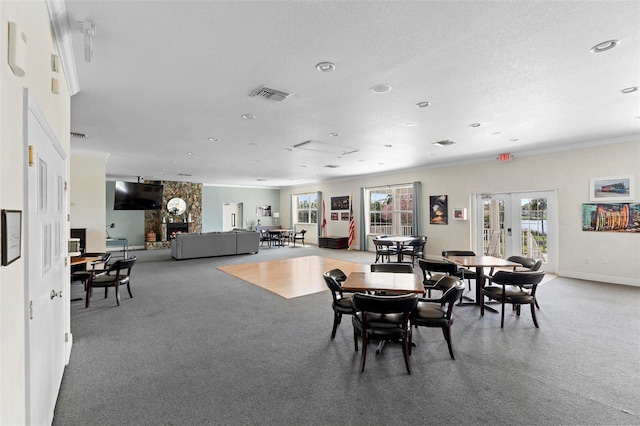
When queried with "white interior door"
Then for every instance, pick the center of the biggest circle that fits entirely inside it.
(231, 216)
(519, 224)
(46, 275)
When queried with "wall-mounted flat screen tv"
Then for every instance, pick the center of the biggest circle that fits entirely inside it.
(137, 196)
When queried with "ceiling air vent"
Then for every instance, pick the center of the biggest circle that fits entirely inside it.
(78, 135)
(271, 94)
(331, 166)
(185, 174)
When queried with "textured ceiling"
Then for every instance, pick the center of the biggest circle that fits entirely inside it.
(168, 75)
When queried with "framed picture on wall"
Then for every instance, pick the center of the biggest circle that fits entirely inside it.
(263, 211)
(460, 213)
(11, 235)
(438, 210)
(335, 216)
(344, 216)
(340, 203)
(616, 188)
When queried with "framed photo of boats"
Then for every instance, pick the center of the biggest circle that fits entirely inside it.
(608, 189)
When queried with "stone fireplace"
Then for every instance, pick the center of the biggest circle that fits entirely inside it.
(164, 224)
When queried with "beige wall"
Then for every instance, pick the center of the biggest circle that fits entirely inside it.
(33, 18)
(567, 172)
(87, 193)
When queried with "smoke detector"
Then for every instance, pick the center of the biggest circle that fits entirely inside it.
(270, 94)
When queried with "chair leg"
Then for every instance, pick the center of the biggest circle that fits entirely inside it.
(447, 336)
(88, 296)
(129, 289)
(533, 315)
(536, 302)
(406, 353)
(336, 321)
(117, 294)
(363, 358)
(502, 311)
(355, 338)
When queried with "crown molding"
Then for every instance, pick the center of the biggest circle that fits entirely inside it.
(62, 35)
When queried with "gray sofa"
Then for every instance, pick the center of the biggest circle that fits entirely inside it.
(189, 246)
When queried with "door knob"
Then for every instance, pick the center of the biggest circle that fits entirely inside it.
(54, 294)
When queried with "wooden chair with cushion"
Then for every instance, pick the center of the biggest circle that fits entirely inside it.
(439, 312)
(119, 273)
(462, 273)
(342, 304)
(298, 236)
(383, 318)
(517, 288)
(103, 262)
(434, 269)
(528, 264)
(414, 249)
(384, 249)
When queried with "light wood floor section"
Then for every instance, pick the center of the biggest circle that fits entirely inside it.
(294, 277)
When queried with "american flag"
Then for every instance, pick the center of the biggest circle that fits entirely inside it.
(352, 226)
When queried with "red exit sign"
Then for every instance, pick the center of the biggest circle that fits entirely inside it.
(504, 157)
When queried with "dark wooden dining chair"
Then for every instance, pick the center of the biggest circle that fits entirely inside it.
(342, 304)
(383, 318)
(439, 312)
(384, 249)
(516, 288)
(119, 273)
(462, 273)
(414, 249)
(433, 270)
(298, 236)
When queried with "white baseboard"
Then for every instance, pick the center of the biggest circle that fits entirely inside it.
(635, 282)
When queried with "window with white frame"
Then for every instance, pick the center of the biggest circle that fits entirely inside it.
(306, 208)
(391, 210)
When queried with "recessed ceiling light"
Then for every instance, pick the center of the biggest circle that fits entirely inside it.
(248, 116)
(423, 104)
(388, 145)
(496, 133)
(446, 142)
(474, 125)
(604, 46)
(191, 153)
(253, 144)
(629, 90)
(288, 149)
(381, 88)
(513, 140)
(261, 180)
(409, 124)
(381, 164)
(325, 66)
(214, 139)
(334, 134)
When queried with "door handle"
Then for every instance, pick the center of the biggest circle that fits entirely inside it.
(509, 231)
(54, 294)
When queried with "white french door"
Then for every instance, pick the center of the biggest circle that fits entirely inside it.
(519, 224)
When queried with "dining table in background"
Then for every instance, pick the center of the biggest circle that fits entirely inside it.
(480, 262)
(399, 240)
(390, 282)
(279, 234)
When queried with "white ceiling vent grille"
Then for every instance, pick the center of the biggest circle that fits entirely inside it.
(317, 146)
(271, 94)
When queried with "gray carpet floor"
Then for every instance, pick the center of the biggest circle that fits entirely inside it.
(197, 346)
